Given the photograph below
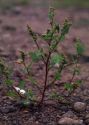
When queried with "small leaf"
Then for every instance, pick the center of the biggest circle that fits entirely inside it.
(22, 54)
(66, 27)
(57, 76)
(34, 36)
(53, 45)
(57, 59)
(68, 86)
(47, 36)
(62, 37)
(57, 28)
(33, 81)
(79, 47)
(11, 94)
(51, 14)
(77, 71)
(9, 82)
(30, 95)
(36, 56)
(21, 84)
(79, 82)
(26, 103)
(55, 96)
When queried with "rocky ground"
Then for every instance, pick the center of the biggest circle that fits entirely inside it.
(14, 37)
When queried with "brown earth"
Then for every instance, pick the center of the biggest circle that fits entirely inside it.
(14, 37)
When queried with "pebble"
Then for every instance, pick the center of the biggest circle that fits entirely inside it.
(69, 114)
(9, 109)
(79, 106)
(70, 121)
(87, 119)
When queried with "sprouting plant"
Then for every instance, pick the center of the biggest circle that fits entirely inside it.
(53, 61)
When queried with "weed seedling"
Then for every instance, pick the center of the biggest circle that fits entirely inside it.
(53, 61)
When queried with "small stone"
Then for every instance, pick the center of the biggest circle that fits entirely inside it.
(9, 109)
(70, 121)
(87, 119)
(69, 114)
(79, 106)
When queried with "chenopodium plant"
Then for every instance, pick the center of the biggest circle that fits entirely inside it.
(53, 60)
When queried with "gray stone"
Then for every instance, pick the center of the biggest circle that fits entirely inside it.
(79, 106)
(87, 119)
(70, 121)
(69, 114)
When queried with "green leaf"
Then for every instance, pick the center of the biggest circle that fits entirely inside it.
(79, 82)
(22, 56)
(26, 103)
(57, 59)
(30, 95)
(36, 56)
(77, 71)
(57, 28)
(11, 94)
(57, 76)
(9, 82)
(68, 86)
(51, 14)
(53, 45)
(21, 84)
(47, 36)
(33, 81)
(33, 35)
(55, 96)
(65, 28)
(62, 37)
(79, 47)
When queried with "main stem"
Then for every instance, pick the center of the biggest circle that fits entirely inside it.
(46, 78)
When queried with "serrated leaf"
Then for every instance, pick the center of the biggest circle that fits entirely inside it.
(79, 47)
(34, 36)
(57, 28)
(30, 95)
(79, 82)
(33, 81)
(53, 45)
(51, 14)
(57, 59)
(68, 86)
(62, 37)
(77, 71)
(55, 96)
(47, 36)
(26, 102)
(11, 94)
(57, 76)
(65, 28)
(36, 56)
(9, 82)
(21, 84)
(22, 54)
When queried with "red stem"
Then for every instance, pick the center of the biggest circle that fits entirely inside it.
(46, 77)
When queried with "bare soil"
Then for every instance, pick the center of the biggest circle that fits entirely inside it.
(14, 37)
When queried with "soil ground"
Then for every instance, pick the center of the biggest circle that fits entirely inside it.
(14, 37)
